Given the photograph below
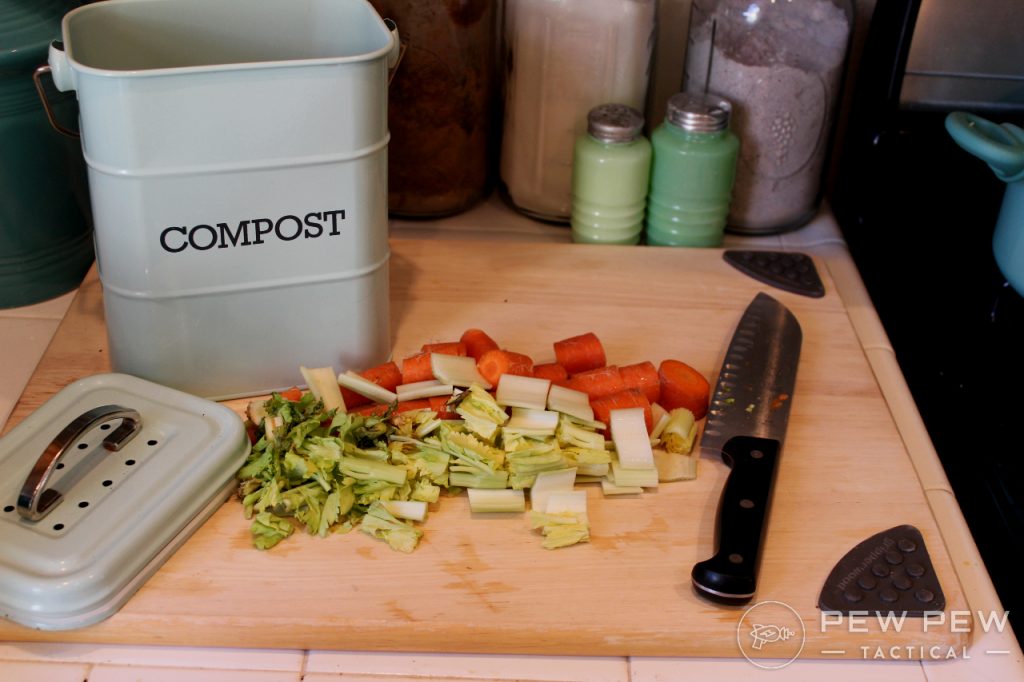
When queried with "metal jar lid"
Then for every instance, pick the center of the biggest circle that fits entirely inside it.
(698, 113)
(614, 123)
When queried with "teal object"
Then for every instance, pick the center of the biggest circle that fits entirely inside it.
(1002, 148)
(611, 169)
(45, 232)
(692, 173)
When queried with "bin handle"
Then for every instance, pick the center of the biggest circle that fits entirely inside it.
(37, 78)
(398, 54)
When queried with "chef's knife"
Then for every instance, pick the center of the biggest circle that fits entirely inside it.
(746, 425)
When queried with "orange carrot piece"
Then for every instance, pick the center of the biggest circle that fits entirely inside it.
(371, 410)
(386, 376)
(293, 394)
(439, 404)
(406, 406)
(477, 342)
(599, 382)
(417, 368)
(683, 386)
(628, 398)
(644, 376)
(580, 353)
(551, 370)
(446, 348)
(494, 363)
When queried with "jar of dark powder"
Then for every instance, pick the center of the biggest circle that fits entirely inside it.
(441, 105)
(781, 66)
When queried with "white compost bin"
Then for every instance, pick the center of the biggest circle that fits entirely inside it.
(237, 164)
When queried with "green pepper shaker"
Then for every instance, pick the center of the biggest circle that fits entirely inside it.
(611, 169)
(692, 174)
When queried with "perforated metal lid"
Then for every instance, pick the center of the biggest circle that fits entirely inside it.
(698, 113)
(98, 487)
(614, 123)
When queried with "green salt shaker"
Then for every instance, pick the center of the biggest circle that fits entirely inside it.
(692, 174)
(611, 169)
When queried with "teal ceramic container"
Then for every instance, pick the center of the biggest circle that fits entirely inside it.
(45, 234)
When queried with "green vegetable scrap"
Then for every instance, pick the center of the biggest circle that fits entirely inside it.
(560, 529)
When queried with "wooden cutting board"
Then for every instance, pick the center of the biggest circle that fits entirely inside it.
(485, 584)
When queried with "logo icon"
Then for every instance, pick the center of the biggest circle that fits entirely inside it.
(770, 635)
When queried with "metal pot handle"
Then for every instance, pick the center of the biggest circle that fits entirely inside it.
(60, 72)
(36, 500)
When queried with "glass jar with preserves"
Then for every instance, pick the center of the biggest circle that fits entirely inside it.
(441, 106)
(780, 64)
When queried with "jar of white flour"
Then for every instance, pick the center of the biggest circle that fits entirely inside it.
(780, 63)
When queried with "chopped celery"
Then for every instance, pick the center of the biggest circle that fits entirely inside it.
(477, 479)
(365, 469)
(592, 470)
(644, 478)
(571, 433)
(632, 443)
(680, 431)
(525, 418)
(560, 530)
(380, 523)
(423, 389)
(571, 402)
(478, 403)
(366, 388)
(568, 501)
(673, 467)
(547, 482)
(407, 509)
(609, 488)
(456, 370)
(494, 501)
(323, 384)
(517, 391)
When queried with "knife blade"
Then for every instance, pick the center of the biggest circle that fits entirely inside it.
(746, 425)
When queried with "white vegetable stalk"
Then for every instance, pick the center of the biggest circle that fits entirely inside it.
(643, 478)
(517, 391)
(632, 443)
(407, 509)
(548, 482)
(366, 388)
(423, 389)
(568, 502)
(483, 501)
(323, 384)
(609, 488)
(571, 402)
(456, 370)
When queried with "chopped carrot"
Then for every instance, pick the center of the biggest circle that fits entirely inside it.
(293, 394)
(477, 342)
(371, 410)
(683, 386)
(551, 370)
(386, 376)
(446, 348)
(439, 404)
(643, 375)
(408, 405)
(628, 398)
(580, 353)
(494, 363)
(417, 368)
(599, 382)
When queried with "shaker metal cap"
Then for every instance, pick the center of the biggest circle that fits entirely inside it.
(614, 123)
(698, 113)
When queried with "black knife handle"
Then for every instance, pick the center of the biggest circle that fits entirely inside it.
(730, 576)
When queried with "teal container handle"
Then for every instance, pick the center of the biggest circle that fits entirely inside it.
(1000, 146)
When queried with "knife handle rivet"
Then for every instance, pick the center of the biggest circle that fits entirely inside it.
(736, 558)
(756, 454)
(747, 504)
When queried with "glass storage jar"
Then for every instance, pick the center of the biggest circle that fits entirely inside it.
(441, 106)
(563, 58)
(780, 63)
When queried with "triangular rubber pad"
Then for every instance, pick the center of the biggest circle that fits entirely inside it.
(789, 271)
(890, 572)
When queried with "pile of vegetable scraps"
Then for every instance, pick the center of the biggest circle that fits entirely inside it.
(373, 450)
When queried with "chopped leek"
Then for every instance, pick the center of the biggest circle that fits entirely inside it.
(571, 402)
(632, 443)
(630, 478)
(673, 467)
(323, 384)
(680, 431)
(423, 389)
(517, 391)
(366, 388)
(560, 530)
(496, 501)
(548, 482)
(456, 370)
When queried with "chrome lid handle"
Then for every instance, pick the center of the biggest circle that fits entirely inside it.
(35, 500)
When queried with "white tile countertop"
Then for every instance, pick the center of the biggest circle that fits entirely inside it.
(993, 655)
